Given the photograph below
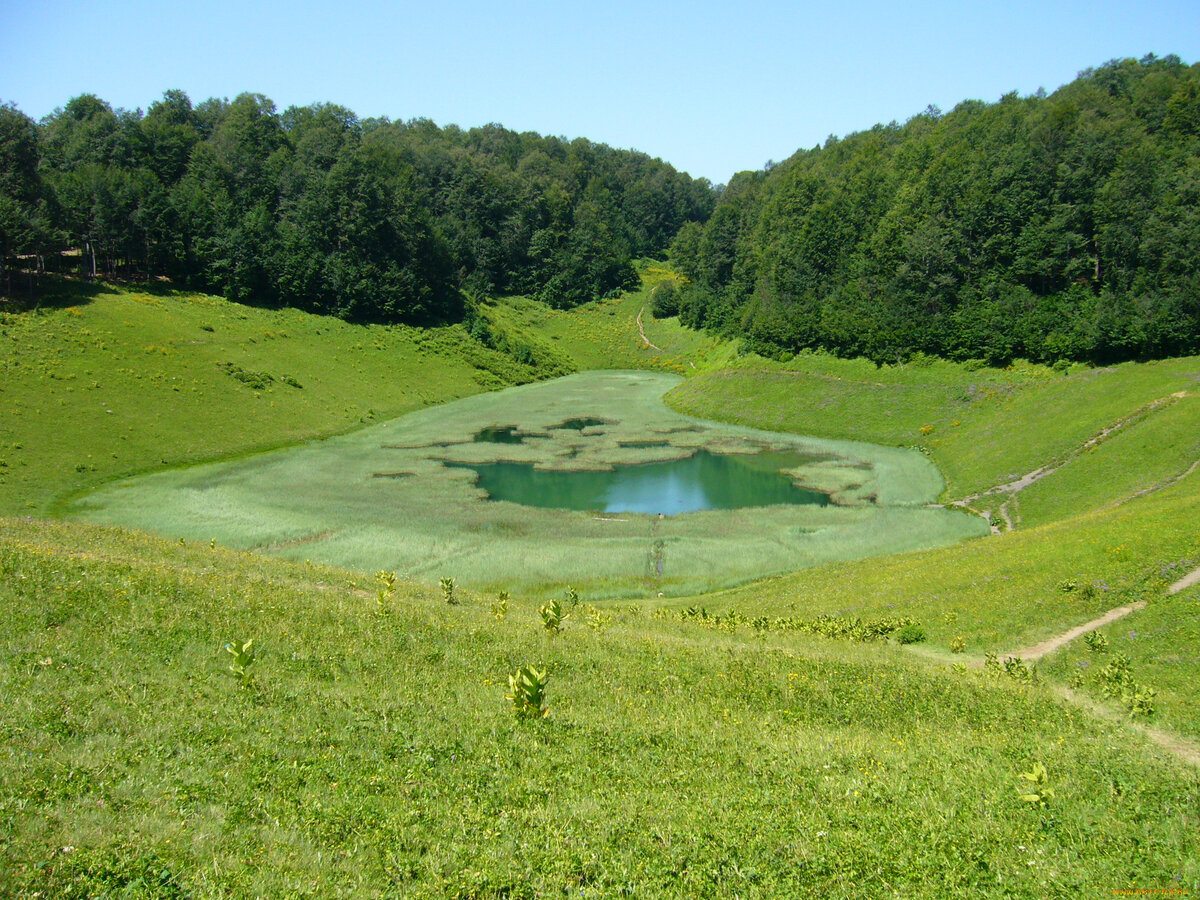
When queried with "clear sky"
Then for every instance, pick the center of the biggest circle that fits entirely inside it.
(711, 87)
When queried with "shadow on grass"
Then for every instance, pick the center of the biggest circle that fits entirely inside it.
(58, 291)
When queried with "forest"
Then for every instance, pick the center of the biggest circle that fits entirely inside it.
(1053, 228)
(1049, 227)
(313, 208)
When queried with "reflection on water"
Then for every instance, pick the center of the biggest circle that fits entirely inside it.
(702, 481)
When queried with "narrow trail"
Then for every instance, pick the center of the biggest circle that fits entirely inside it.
(1180, 747)
(1185, 582)
(1008, 491)
(1038, 650)
(642, 332)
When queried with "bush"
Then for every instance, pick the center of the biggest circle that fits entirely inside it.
(664, 300)
(910, 634)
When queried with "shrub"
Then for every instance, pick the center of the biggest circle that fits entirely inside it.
(243, 657)
(664, 300)
(1096, 642)
(527, 692)
(910, 634)
(553, 616)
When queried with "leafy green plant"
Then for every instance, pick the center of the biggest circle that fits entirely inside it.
(910, 634)
(553, 616)
(1117, 683)
(1116, 678)
(243, 658)
(527, 693)
(572, 596)
(1096, 642)
(1040, 792)
(958, 645)
(1015, 668)
(385, 587)
(446, 583)
(500, 605)
(1140, 700)
(991, 664)
(597, 619)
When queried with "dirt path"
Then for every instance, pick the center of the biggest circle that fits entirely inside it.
(1179, 747)
(642, 332)
(1037, 651)
(1008, 491)
(1185, 582)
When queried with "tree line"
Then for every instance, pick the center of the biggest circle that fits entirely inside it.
(369, 220)
(1060, 227)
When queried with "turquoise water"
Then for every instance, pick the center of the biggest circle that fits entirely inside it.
(701, 481)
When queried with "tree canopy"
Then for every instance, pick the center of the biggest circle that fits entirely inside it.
(1048, 227)
(313, 207)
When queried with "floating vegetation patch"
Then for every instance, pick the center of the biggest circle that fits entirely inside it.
(498, 434)
(415, 496)
(580, 424)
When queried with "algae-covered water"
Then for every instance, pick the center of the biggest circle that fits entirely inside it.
(419, 495)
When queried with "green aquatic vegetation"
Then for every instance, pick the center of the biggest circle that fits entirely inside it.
(327, 503)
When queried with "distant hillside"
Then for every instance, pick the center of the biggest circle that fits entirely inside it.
(1048, 227)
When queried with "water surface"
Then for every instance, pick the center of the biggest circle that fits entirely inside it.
(701, 481)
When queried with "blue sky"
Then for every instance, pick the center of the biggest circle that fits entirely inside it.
(713, 88)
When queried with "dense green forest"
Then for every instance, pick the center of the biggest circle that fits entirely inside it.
(313, 208)
(1047, 227)
(1052, 227)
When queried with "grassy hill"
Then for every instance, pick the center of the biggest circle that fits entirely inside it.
(715, 746)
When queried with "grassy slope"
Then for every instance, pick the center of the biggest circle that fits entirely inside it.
(126, 381)
(844, 768)
(1117, 517)
(132, 765)
(982, 428)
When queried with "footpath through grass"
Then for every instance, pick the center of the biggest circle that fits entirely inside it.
(371, 751)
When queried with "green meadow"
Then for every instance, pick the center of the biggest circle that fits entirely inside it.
(826, 730)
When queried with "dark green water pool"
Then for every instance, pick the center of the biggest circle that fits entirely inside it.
(703, 480)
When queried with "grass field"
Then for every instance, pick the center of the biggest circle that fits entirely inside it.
(370, 751)
(116, 381)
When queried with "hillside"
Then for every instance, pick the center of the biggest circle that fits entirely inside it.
(754, 742)
(1051, 228)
